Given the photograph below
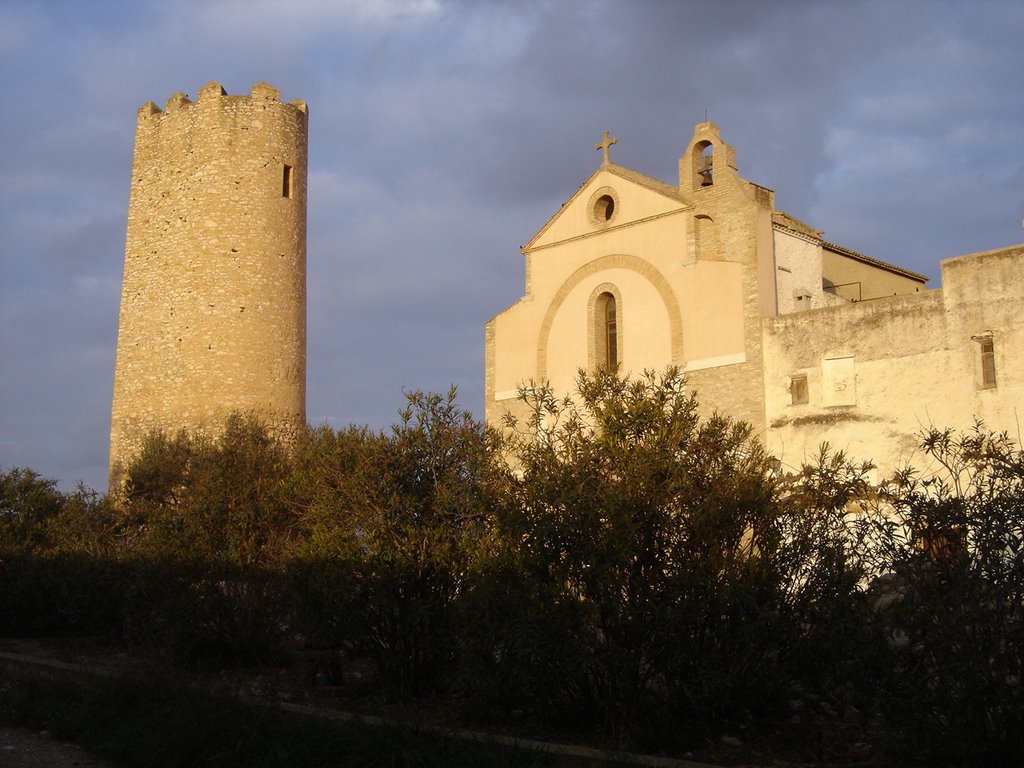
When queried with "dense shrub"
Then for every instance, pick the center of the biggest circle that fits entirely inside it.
(222, 501)
(395, 531)
(948, 546)
(822, 545)
(27, 502)
(620, 564)
(210, 525)
(61, 594)
(56, 575)
(645, 540)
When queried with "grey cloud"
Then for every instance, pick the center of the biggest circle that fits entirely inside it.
(442, 139)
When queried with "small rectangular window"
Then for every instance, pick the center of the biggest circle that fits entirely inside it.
(986, 362)
(286, 182)
(798, 390)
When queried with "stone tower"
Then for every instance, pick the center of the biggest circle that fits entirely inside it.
(213, 304)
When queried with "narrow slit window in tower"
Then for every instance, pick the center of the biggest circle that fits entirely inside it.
(286, 182)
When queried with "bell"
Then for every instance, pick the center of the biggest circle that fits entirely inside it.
(706, 170)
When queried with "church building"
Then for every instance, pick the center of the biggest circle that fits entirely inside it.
(806, 340)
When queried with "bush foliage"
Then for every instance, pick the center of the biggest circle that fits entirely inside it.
(613, 563)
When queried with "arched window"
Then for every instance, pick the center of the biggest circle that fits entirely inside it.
(606, 329)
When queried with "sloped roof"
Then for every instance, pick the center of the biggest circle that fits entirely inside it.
(784, 220)
(651, 183)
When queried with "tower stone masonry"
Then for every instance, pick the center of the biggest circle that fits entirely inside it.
(213, 302)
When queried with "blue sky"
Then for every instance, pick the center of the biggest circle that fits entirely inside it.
(443, 134)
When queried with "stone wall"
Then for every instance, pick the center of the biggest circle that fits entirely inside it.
(213, 303)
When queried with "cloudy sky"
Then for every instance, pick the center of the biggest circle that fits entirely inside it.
(443, 134)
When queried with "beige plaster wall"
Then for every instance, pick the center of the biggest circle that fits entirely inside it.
(860, 281)
(711, 297)
(640, 250)
(798, 278)
(695, 270)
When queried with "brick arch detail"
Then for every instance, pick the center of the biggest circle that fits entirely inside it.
(612, 261)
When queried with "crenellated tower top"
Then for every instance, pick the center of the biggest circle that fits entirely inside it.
(213, 90)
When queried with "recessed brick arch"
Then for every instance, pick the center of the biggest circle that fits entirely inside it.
(612, 261)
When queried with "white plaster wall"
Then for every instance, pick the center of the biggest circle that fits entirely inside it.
(798, 270)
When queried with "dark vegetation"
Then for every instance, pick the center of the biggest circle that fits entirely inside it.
(156, 721)
(619, 570)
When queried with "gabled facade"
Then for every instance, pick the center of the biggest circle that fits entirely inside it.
(770, 323)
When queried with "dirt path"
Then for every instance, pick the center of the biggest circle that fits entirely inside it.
(31, 749)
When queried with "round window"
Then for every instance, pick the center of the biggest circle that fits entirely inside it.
(604, 205)
(604, 208)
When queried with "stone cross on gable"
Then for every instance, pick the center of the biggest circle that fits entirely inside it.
(605, 144)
